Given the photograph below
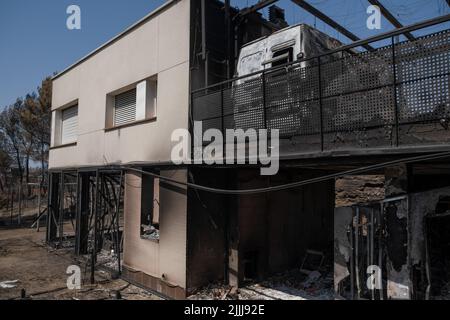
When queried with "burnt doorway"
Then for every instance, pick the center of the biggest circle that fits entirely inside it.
(438, 252)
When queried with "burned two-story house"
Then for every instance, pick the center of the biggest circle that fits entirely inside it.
(339, 110)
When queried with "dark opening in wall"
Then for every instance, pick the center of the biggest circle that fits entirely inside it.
(397, 237)
(250, 265)
(443, 205)
(282, 57)
(150, 208)
(438, 249)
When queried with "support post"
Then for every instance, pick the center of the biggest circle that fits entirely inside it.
(118, 248)
(320, 105)
(94, 246)
(61, 210)
(394, 69)
(39, 208)
(82, 214)
(53, 209)
(264, 102)
(20, 204)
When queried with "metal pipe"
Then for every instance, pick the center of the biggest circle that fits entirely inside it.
(203, 18)
(118, 248)
(322, 144)
(380, 245)
(372, 242)
(94, 246)
(263, 78)
(352, 256)
(78, 217)
(396, 113)
(356, 230)
(61, 210)
(228, 29)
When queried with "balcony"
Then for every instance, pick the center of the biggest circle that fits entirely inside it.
(395, 97)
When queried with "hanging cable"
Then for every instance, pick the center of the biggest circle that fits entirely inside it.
(292, 185)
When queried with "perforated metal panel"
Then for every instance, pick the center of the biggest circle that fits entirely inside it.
(359, 110)
(366, 93)
(248, 103)
(125, 108)
(292, 101)
(423, 69)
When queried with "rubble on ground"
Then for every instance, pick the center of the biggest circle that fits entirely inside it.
(290, 285)
(444, 294)
(150, 232)
(108, 259)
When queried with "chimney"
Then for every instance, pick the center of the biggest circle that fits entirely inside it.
(277, 17)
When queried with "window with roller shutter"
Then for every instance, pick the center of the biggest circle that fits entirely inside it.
(69, 126)
(125, 108)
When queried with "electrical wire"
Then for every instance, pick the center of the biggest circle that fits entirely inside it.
(293, 185)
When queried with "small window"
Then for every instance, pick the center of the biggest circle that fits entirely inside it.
(150, 208)
(69, 125)
(134, 103)
(125, 108)
(282, 57)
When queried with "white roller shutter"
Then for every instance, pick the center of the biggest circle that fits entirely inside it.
(125, 108)
(69, 128)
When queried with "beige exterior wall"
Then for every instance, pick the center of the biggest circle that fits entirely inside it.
(160, 46)
(157, 47)
(168, 256)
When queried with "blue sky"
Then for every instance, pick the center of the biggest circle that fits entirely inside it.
(34, 40)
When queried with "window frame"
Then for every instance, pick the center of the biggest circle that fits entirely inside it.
(115, 107)
(57, 132)
(150, 189)
(145, 107)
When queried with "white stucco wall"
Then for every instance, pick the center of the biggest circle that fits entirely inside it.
(159, 46)
(168, 256)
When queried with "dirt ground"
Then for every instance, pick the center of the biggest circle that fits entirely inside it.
(30, 265)
(41, 272)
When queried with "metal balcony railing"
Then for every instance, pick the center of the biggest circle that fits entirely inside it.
(392, 96)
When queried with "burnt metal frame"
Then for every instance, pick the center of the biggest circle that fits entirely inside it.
(375, 227)
(225, 85)
(319, 14)
(260, 5)
(356, 44)
(385, 12)
(98, 197)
